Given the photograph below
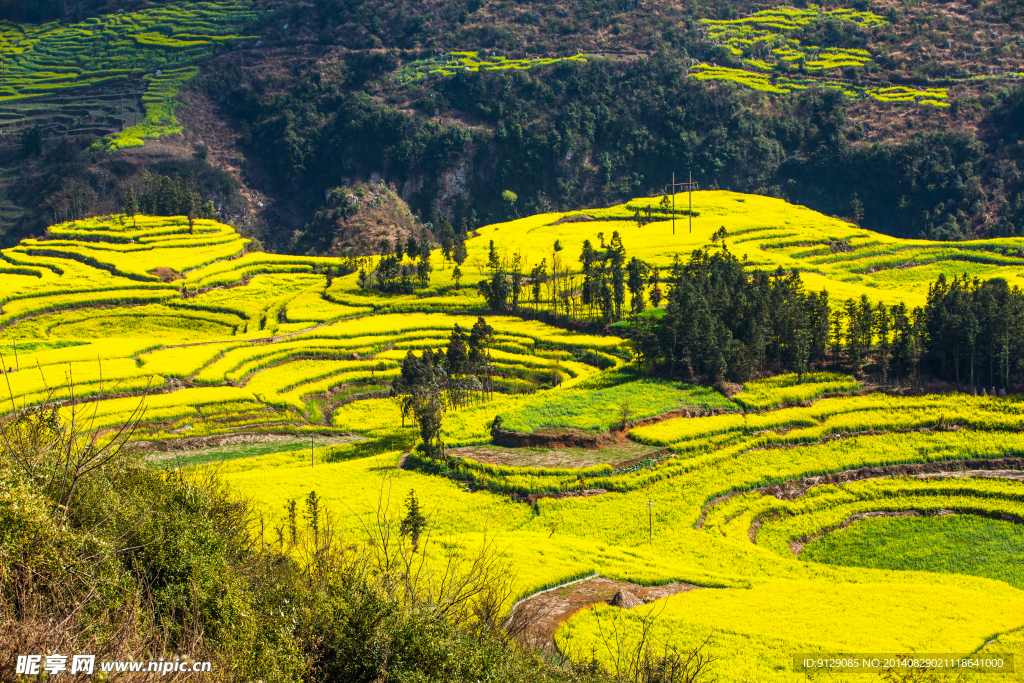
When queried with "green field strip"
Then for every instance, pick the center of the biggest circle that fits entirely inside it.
(819, 510)
(957, 544)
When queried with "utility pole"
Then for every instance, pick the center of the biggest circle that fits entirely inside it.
(650, 518)
(690, 187)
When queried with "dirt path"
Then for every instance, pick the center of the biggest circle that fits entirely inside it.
(613, 453)
(548, 610)
(233, 444)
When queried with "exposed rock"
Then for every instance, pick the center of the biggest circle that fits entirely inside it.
(625, 600)
(728, 389)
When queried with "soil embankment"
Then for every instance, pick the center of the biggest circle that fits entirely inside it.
(546, 611)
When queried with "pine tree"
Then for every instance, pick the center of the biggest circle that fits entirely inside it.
(516, 273)
(835, 337)
(447, 236)
(493, 263)
(882, 327)
(856, 209)
(617, 257)
(459, 253)
(423, 270)
(587, 257)
(637, 276)
(414, 522)
(131, 202)
(656, 293)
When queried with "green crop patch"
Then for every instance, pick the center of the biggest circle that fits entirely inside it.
(958, 544)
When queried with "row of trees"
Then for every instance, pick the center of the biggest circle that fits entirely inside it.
(431, 384)
(722, 323)
(161, 195)
(597, 291)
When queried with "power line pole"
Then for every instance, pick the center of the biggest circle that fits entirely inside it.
(650, 518)
(690, 187)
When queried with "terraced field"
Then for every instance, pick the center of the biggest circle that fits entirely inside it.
(768, 501)
(768, 47)
(470, 61)
(146, 54)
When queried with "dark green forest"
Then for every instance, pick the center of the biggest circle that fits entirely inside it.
(574, 135)
(317, 107)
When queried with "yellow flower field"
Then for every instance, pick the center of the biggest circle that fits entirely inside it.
(211, 339)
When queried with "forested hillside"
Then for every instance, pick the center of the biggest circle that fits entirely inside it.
(904, 118)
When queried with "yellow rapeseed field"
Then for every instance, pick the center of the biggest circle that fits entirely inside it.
(211, 339)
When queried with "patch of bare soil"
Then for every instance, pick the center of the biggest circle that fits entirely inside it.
(562, 438)
(166, 274)
(614, 453)
(202, 445)
(548, 610)
(578, 218)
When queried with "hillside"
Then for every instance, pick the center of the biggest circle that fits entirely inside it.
(281, 369)
(766, 233)
(903, 117)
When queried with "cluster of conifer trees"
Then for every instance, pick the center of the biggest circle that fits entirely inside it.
(393, 273)
(161, 195)
(721, 322)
